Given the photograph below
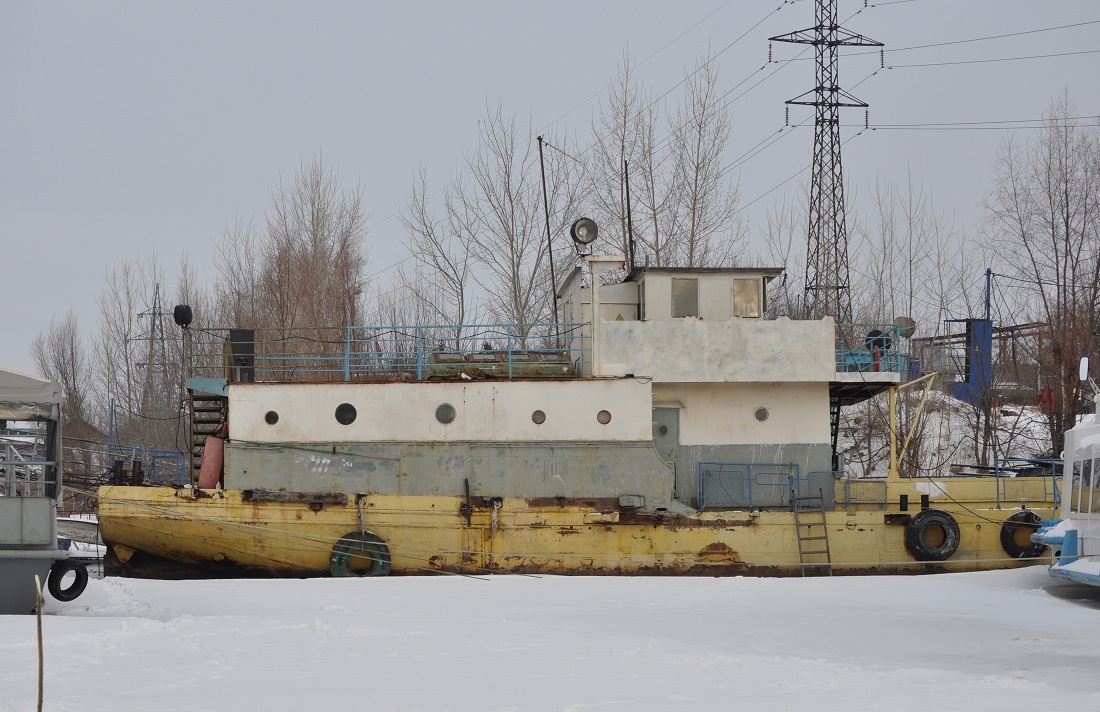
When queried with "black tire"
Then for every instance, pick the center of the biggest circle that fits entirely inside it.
(57, 573)
(1016, 526)
(932, 535)
(360, 554)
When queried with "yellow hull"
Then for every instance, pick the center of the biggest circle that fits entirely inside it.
(436, 533)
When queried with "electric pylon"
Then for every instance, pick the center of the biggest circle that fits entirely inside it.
(827, 253)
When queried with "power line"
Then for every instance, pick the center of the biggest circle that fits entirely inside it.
(738, 162)
(662, 49)
(980, 123)
(988, 61)
(605, 88)
(983, 39)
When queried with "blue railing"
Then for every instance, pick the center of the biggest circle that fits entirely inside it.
(753, 485)
(870, 348)
(398, 352)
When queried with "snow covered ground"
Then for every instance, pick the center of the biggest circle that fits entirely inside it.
(946, 436)
(994, 640)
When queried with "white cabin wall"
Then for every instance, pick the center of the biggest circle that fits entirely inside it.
(724, 413)
(498, 411)
(738, 350)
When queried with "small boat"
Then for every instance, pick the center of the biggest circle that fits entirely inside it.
(30, 486)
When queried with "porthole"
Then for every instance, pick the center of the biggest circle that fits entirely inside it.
(761, 414)
(538, 417)
(662, 430)
(345, 414)
(445, 413)
(604, 417)
(271, 417)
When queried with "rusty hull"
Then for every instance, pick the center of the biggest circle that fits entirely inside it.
(227, 532)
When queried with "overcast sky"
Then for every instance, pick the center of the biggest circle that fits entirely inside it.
(130, 129)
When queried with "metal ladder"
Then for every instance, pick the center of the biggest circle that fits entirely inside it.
(207, 416)
(812, 533)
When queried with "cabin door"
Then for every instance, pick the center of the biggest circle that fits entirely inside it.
(666, 434)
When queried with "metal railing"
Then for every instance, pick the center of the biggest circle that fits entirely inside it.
(865, 493)
(158, 467)
(755, 485)
(390, 353)
(870, 348)
(1022, 480)
(24, 476)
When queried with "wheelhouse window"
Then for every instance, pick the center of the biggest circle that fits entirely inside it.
(746, 297)
(685, 298)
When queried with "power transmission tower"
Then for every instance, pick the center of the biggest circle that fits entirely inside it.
(827, 255)
(156, 393)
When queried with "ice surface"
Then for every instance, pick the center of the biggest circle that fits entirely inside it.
(979, 641)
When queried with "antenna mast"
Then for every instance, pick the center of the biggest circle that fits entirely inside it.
(827, 285)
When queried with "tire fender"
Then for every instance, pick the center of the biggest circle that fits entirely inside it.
(932, 535)
(57, 573)
(1021, 520)
(366, 549)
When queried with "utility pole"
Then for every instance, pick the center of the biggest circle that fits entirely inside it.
(827, 281)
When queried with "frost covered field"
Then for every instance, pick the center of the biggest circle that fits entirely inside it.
(976, 641)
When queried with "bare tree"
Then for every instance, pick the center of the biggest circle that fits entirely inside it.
(784, 246)
(1044, 226)
(706, 227)
(623, 133)
(498, 212)
(138, 364)
(300, 279)
(240, 269)
(313, 254)
(60, 354)
(442, 280)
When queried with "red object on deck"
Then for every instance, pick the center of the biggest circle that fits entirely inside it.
(210, 472)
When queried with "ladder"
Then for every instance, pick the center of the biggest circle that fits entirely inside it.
(207, 416)
(812, 533)
(834, 429)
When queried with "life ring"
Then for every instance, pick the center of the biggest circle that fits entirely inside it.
(57, 574)
(932, 535)
(1016, 535)
(360, 554)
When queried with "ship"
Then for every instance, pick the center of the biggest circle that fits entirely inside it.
(665, 425)
(1074, 536)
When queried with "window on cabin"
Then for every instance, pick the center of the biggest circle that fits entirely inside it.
(685, 297)
(746, 297)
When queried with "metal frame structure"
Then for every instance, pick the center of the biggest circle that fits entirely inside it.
(827, 278)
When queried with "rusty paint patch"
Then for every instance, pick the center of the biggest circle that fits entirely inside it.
(602, 504)
(718, 552)
(675, 521)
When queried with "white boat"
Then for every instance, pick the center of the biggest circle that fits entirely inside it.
(1075, 537)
